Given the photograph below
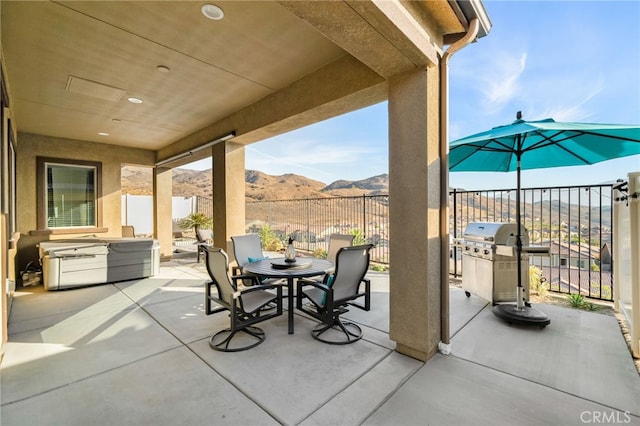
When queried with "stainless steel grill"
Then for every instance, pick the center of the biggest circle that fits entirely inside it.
(489, 261)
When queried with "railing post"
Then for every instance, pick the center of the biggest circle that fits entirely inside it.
(308, 224)
(342, 210)
(364, 216)
(455, 232)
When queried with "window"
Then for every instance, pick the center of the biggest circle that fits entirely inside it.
(68, 194)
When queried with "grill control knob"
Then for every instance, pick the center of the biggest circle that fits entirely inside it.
(486, 252)
(475, 250)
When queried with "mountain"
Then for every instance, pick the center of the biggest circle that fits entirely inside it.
(259, 186)
(371, 186)
(263, 187)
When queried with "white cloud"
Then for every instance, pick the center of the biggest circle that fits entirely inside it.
(495, 74)
(576, 105)
(501, 84)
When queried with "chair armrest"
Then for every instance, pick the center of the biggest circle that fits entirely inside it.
(278, 296)
(320, 285)
(256, 287)
(254, 278)
(366, 294)
(311, 280)
(209, 309)
(367, 284)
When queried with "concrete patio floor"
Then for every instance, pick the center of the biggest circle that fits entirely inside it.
(137, 352)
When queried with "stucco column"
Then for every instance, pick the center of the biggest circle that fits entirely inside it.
(414, 188)
(228, 194)
(4, 315)
(163, 209)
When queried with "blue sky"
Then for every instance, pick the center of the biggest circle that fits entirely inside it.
(571, 61)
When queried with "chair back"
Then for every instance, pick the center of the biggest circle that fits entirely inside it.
(336, 242)
(218, 269)
(204, 235)
(245, 247)
(128, 231)
(352, 264)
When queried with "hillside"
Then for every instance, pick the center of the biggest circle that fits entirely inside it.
(259, 186)
(263, 187)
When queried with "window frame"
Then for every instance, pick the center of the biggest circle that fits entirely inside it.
(12, 223)
(43, 226)
(4, 145)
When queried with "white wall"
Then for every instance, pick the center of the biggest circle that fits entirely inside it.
(626, 273)
(137, 211)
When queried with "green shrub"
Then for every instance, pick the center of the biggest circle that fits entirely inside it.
(537, 283)
(195, 221)
(269, 240)
(359, 237)
(320, 253)
(595, 290)
(576, 300)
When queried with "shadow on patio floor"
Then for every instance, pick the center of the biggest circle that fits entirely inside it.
(137, 352)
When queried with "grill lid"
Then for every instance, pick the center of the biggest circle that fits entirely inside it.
(492, 232)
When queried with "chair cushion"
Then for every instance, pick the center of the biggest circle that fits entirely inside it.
(255, 300)
(316, 295)
(262, 280)
(329, 283)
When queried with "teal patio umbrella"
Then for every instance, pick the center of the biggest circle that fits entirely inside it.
(524, 145)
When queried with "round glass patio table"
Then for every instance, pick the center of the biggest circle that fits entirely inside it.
(304, 267)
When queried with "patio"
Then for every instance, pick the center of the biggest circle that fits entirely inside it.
(137, 353)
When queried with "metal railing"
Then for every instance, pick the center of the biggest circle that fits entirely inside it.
(311, 221)
(574, 221)
(204, 205)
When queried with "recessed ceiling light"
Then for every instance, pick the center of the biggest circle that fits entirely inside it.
(103, 134)
(163, 68)
(134, 100)
(212, 12)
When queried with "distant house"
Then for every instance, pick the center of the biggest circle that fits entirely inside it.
(605, 257)
(569, 255)
(576, 268)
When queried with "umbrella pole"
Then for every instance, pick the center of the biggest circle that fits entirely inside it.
(520, 313)
(519, 289)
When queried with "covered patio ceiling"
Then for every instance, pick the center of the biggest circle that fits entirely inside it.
(264, 68)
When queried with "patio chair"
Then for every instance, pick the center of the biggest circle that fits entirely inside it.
(336, 242)
(246, 249)
(245, 306)
(329, 299)
(203, 240)
(128, 231)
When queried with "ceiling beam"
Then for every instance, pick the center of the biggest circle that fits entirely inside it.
(365, 30)
(342, 86)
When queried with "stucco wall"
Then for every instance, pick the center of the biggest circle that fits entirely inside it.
(31, 146)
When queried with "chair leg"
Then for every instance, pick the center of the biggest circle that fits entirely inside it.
(351, 331)
(221, 340)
